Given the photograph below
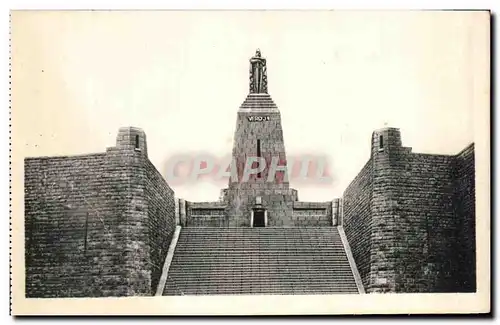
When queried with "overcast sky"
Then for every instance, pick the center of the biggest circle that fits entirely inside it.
(181, 76)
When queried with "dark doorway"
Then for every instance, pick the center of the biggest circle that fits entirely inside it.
(259, 218)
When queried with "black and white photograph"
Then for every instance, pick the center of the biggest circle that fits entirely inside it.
(337, 156)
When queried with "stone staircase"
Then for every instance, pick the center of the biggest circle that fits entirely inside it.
(279, 261)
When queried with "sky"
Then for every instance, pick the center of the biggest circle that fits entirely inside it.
(336, 76)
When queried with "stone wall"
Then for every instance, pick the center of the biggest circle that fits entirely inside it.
(161, 220)
(76, 214)
(409, 219)
(425, 227)
(465, 212)
(213, 214)
(96, 225)
(312, 214)
(356, 219)
(206, 214)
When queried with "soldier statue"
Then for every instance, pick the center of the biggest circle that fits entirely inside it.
(258, 74)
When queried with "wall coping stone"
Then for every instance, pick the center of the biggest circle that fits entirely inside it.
(168, 261)
(350, 258)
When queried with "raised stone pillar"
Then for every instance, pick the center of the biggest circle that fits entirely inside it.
(340, 219)
(132, 138)
(182, 212)
(335, 212)
(177, 216)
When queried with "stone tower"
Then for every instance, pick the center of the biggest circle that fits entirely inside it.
(260, 194)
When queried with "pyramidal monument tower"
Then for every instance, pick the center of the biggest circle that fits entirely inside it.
(259, 193)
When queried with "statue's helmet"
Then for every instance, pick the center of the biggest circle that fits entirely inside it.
(257, 53)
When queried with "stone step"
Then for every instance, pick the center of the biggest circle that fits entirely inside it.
(235, 283)
(251, 257)
(254, 277)
(203, 268)
(239, 268)
(261, 237)
(246, 258)
(284, 265)
(281, 292)
(252, 254)
(274, 273)
(231, 258)
(219, 241)
(235, 286)
(347, 282)
(238, 286)
(288, 289)
(265, 248)
(281, 230)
